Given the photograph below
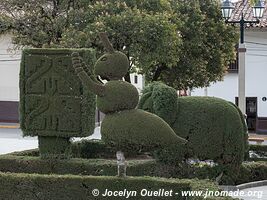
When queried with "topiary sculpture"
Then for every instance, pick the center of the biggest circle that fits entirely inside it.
(123, 126)
(53, 104)
(215, 129)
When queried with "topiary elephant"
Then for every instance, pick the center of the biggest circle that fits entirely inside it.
(214, 128)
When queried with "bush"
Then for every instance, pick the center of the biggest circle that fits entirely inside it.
(260, 150)
(76, 166)
(135, 130)
(213, 127)
(53, 103)
(119, 95)
(252, 171)
(42, 187)
(92, 149)
(20, 162)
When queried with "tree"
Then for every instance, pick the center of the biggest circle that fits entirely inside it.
(207, 46)
(182, 43)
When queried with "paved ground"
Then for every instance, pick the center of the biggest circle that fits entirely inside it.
(255, 193)
(11, 140)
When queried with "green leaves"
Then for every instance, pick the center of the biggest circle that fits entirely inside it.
(182, 43)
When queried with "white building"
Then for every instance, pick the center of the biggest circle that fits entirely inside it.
(256, 75)
(9, 80)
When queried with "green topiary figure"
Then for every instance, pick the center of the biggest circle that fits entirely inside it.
(53, 104)
(123, 126)
(215, 129)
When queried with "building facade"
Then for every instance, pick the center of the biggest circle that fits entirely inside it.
(9, 80)
(256, 79)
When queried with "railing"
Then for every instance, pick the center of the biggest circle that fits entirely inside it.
(233, 67)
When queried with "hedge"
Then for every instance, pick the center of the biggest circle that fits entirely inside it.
(260, 150)
(249, 171)
(69, 187)
(76, 166)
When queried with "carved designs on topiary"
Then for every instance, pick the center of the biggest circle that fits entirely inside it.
(53, 104)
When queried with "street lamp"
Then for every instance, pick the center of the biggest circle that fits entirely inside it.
(227, 10)
(258, 9)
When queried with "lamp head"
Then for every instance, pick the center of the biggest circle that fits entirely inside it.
(227, 9)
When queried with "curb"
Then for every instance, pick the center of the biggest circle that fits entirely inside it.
(251, 184)
(243, 186)
(15, 126)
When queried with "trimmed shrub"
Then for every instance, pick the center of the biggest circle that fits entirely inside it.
(252, 171)
(54, 147)
(119, 95)
(76, 166)
(260, 150)
(124, 127)
(21, 162)
(53, 103)
(42, 187)
(213, 127)
(135, 130)
(160, 100)
(105, 65)
(92, 149)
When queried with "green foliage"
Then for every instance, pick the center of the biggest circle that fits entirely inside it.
(213, 127)
(159, 99)
(124, 127)
(53, 102)
(206, 49)
(21, 162)
(52, 99)
(92, 149)
(260, 150)
(252, 171)
(112, 65)
(136, 130)
(119, 95)
(40, 187)
(201, 43)
(54, 147)
(76, 166)
(253, 2)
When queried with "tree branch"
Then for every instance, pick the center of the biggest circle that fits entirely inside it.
(158, 71)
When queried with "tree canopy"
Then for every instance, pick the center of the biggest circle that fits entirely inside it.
(182, 43)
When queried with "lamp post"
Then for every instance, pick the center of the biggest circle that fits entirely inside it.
(227, 10)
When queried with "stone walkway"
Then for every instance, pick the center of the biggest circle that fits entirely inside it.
(255, 193)
(11, 140)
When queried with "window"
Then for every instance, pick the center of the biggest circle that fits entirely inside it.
(135, 79)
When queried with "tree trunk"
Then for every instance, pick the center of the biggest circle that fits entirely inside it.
(127, 77)
(158, 72)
